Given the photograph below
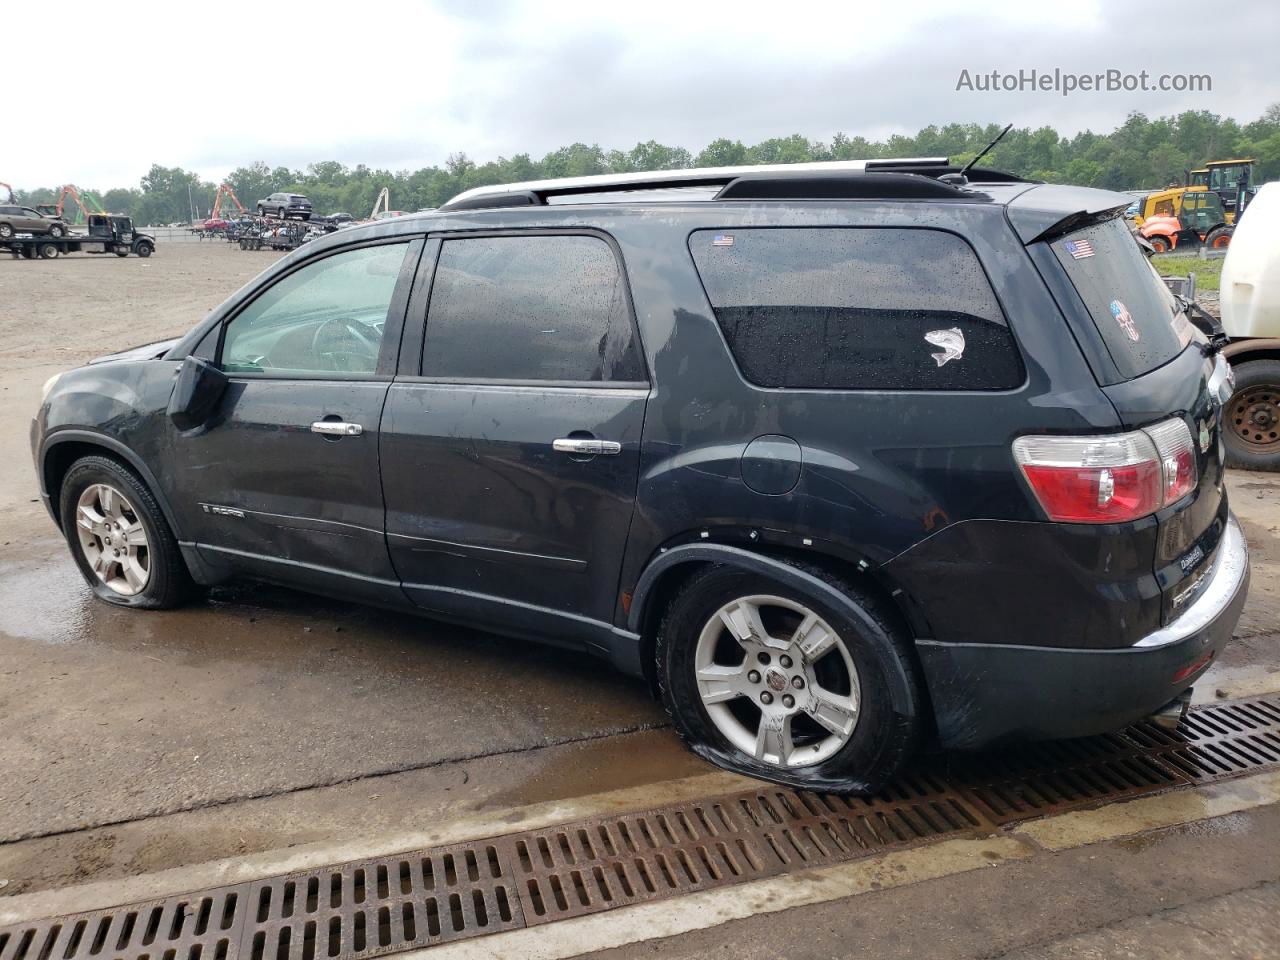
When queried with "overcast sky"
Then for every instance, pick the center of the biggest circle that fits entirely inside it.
(401, 85)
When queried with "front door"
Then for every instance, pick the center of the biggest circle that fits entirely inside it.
(284, 478)
(511, 445)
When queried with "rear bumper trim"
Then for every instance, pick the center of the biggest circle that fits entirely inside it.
(988, 693)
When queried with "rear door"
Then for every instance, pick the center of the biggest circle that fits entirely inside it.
(510, 443)
(1153, 367)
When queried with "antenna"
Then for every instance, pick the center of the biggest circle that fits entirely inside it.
(969, 166)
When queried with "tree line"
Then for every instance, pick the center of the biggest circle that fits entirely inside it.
(1141, 153)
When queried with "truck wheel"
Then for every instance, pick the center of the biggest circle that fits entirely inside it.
(1219, 238)
(57, 230)
(6, 231)
(775, 682)
(144, 249)
(1252, 421)
(1159, 244)
(49, 250)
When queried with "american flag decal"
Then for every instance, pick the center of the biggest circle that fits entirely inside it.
(722, 240)
(1079, 248)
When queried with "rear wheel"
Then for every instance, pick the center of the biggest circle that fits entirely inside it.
(49, 250)
(6, 231)
(1219, 238)
(261, 212)
(119, 537)
(1252, 427)
(767, 680)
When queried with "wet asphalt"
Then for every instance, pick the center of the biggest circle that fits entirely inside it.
(113, 715)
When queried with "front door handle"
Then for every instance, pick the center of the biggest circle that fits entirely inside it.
(337, 428)
(587, 447)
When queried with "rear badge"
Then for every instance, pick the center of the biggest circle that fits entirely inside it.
(1125, 319)
(952, 344)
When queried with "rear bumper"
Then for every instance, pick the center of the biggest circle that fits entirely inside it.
(988, 693)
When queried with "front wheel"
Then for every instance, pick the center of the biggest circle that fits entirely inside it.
(1219, 238)
(119, 537)
(775, 682)
(1159, 244)
(57, 230)
(144, 249)
(1251, 428)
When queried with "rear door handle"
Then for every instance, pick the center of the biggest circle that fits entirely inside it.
(587, 448)
(337, 428)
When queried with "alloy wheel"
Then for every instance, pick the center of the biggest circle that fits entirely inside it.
(113, 539)
(778, 683)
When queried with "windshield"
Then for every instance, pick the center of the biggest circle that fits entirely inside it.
(1139, 320)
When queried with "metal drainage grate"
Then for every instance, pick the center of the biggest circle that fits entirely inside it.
(202, 926)
(585, 867)
(373, 907)
(1040, 779)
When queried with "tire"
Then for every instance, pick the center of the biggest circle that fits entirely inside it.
(6, 231)
(57, 230)
(261, 212)
(1219, 238)
(1159, 244)
(1251, 420)
(144, 249)
(886, 722)
(49, 251)
(166, 583)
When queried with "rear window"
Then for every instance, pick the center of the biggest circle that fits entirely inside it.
(1136, 315)
(856, 308)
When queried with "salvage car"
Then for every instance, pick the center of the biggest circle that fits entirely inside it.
(842, 459)
(16, 219)
(285, 206)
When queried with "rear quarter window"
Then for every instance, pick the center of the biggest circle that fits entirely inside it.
(852, 308)
(1137, 317)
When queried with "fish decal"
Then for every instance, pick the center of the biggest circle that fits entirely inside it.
(951, 341)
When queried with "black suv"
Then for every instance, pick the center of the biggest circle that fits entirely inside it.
(284, 206)
(842, 460)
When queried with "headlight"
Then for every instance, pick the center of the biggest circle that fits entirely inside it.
(48, 385)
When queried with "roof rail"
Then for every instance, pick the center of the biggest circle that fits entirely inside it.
(522, 194)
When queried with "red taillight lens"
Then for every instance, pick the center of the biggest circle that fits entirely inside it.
(1109, 479)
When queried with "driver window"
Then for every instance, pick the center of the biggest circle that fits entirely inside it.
(327, 317)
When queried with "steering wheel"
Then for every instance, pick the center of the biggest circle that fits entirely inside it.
(344, 345)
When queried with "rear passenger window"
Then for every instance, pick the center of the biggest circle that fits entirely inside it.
(529, 308)
(856, 308)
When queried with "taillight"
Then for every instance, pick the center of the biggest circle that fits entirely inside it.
(1109, 479)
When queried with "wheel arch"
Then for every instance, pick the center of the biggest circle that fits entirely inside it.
(662, 578)
(65, 447)
(1254, 348)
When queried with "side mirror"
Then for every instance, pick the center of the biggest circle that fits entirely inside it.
(196, 394)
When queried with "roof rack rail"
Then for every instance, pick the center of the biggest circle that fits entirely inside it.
(821, 175)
